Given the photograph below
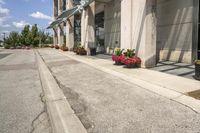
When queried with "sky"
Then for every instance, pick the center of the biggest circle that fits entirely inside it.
(15, 14)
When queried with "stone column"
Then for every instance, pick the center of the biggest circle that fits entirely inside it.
(138, 29)
(55, 37)
(88, 31)
(55, 12)
(70, 27)
(60, 29)
(83, 28)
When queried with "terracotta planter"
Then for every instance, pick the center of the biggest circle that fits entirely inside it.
(82, 52)
(57, 47)
(65, 49)
(197, 71)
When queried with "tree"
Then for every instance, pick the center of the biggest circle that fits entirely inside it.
(29, 37)
(13, 38)
(24, 39)
(34, 35)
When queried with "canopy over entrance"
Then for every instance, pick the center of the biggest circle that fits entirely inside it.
(70, 12)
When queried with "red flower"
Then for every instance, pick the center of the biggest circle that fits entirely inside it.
(118, 58)
(131, 61)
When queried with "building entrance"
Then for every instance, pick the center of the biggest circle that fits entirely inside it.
(100, 37)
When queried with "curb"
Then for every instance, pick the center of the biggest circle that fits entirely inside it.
(62, 117)
(185, 100)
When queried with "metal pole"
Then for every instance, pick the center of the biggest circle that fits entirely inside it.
(4, 38)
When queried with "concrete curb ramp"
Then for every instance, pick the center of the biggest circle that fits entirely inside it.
(62, 117)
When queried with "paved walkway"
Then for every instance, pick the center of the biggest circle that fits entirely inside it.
(106, 103)
(21, 107)
(179, 69)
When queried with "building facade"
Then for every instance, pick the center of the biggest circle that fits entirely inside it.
(158, 30)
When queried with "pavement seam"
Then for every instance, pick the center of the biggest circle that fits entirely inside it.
(193, 106)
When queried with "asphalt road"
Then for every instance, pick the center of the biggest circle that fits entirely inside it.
(107, 104)
(21, 106)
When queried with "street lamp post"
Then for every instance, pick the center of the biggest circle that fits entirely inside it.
(4, 38)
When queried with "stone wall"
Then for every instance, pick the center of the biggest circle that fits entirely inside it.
(174, 30)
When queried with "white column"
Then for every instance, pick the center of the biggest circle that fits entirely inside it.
(83, 28)
(60, 30)
(89, 27)
(55, 12)
(138, 29)
(55, 39)
(70, 28)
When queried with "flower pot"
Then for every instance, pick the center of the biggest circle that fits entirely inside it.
(197, 71)
(93, 51)
(131, 66)
(57, 47)
(118, 63)
(65, 49)
(118, 59)
(82, 52)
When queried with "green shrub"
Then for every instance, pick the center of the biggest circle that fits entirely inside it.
(7, 46)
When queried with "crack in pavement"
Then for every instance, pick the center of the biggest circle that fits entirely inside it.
(37, 123)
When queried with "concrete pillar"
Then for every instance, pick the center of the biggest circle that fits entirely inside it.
(55, 39)
(88, 27)
(60, 29)
(138, 29)
(70, 27)
(55, 12)
(83, 28)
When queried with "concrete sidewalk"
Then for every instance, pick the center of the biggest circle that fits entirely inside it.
(172, 82)
(170, 86)
(107, 101)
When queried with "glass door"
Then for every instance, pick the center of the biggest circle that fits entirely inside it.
(100, 37)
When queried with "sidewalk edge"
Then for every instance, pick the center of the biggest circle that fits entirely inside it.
(62, 117)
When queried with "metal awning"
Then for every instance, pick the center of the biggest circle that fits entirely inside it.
(67, 13)
(54, 23)
(70, 12)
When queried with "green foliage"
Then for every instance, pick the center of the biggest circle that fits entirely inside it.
(77, 44)
(130, 53)
(24, 36)
(7, 46)
(29, 37)
(118, 51)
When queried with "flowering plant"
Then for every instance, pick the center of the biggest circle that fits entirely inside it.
(118, 51)
(64, 47)
(132, 62)
(57, 47)
(118, 56)
(130, 53)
